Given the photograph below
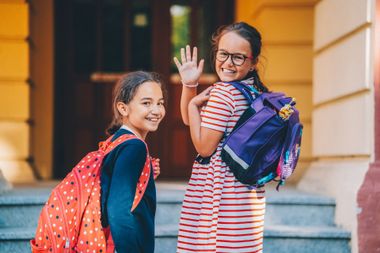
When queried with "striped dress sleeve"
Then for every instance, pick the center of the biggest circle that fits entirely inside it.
(219, 108)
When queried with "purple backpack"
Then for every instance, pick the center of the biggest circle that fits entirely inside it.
(265, 143)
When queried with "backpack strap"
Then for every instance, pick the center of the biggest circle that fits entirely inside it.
(108, 145)
(255, 103)
(142, 183)
(245, 90)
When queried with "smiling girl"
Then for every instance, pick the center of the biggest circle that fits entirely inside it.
(220, 214)
(138, 109)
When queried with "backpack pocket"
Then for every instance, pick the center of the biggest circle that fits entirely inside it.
(252, 149)
(291, 151)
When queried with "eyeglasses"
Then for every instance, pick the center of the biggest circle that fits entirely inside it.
(237, 59)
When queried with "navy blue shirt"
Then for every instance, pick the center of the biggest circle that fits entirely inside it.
(131, 231)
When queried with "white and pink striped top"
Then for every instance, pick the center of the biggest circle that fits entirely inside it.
(220, 214)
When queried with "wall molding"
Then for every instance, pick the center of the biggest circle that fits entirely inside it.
(342, 38)
(287, 43)
(357, 93)
(261, 6)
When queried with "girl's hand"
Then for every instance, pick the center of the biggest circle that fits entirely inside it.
(156, 167)
(202, 97)
(187, 68)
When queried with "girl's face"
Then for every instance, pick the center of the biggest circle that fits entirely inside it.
(232, 43)
(145, 111)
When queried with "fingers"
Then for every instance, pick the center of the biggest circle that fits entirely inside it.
(195, 54)
(156, 168)
(156, 174)
(205, 94)
(177, 63)
(188, 53)
(207, 91)
(183, 57)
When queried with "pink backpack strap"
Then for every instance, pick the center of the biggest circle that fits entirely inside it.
(142, 183)
(108, 145)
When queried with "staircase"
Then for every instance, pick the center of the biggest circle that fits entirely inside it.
(295, 222)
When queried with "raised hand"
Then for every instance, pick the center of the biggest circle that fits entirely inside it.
(188, 68)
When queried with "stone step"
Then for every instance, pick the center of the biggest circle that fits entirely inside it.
(287, 207)
(277, 239)
(16, 239)
(21, 206)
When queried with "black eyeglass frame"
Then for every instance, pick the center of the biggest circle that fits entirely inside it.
(232, 57)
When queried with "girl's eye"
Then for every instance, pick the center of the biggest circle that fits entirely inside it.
(146, 103)
(238, 57)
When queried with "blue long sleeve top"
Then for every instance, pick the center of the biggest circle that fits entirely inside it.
(121, 169)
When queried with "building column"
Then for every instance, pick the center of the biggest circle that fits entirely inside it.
(369, 193)
(14, 91)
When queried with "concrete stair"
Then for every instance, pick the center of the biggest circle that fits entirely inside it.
(295, 222)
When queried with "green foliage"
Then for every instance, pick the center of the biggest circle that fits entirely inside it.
(180, 30)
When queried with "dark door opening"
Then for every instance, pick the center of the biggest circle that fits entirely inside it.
(96, 41)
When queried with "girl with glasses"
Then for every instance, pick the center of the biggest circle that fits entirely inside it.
(220, 214)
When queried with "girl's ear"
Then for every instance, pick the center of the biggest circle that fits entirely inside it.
(254, 64)
(122, 108)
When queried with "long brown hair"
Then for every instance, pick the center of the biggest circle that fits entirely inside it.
(125, 90)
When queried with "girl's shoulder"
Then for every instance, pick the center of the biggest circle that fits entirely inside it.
(227, 89)
(224, 86)
(131, 149)
(135, 143)
(123, 131)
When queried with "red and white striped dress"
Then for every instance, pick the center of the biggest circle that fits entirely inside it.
(220, 214)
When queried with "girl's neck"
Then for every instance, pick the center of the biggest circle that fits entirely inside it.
(126, 127)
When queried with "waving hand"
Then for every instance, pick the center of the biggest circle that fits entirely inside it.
(188, 68)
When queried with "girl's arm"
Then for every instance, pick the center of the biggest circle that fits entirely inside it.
(190, 73)
(186, 96)
(127, 169)
(205, 140)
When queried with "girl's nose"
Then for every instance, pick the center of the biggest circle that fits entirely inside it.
(156, 109)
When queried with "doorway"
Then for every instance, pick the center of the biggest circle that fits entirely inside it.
(98, 40)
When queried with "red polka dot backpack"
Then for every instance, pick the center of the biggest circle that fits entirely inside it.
(70, 220)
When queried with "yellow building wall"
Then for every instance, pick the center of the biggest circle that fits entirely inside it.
(343, 105)
(14, 91)
(286, 27)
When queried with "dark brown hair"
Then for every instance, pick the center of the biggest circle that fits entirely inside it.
(250, 34)
(125, 90)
